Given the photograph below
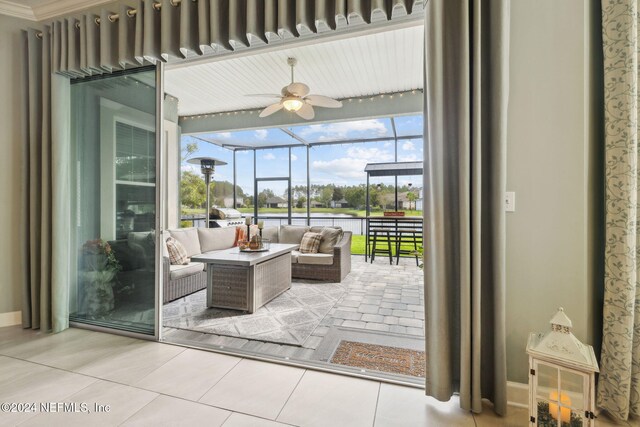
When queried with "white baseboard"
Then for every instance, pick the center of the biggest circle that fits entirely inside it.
(10, 319)
(517, 394)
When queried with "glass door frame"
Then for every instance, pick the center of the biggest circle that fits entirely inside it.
(160, 202)
(159, 220)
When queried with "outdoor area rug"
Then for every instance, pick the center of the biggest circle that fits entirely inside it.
(380, 358)
(288, 319)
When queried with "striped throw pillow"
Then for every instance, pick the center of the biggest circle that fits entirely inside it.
(310, 243)
(177, 252)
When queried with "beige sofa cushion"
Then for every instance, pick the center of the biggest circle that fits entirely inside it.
(330, 238)
(215, 239)
(294, 257)
(292, 234)
(270, 233)
(180, 271)
(189, 239)
(318, 259)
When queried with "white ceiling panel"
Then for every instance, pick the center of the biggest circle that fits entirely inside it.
(383, 62)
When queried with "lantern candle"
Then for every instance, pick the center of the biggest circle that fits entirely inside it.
(260, 224)
(565, 401)
(247, 220)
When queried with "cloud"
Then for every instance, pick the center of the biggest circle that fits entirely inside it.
(352, 165)
(187, 167)
(408, 146)
(409, 158)
(269, 156)
(225, 135)
(341, 130)
(261, 134)
(293, 157)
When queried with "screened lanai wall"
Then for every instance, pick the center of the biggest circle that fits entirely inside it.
(314, 157)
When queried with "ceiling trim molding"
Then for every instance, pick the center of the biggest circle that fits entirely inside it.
(64, 7)
(16, 10)
(47, 11)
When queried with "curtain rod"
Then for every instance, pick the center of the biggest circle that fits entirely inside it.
(130, 13)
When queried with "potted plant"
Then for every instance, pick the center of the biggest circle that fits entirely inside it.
(98, 273)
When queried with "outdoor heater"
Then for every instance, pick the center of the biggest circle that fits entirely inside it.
(207, 167)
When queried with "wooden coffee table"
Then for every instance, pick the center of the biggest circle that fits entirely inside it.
(247, 280)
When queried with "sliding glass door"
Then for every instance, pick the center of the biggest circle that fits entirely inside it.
(114, 201)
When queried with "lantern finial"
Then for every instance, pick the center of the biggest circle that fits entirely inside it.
(560, 322)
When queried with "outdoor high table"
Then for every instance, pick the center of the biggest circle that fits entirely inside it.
(395, 224)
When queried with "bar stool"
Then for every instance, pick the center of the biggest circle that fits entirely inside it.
(408, 236)
(381, 235)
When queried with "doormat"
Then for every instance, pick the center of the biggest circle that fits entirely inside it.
(381, 358)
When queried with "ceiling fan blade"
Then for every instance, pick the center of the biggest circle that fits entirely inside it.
(298, 89)
(264, 95)
(323, 101)
(306, 112)
(271, 109)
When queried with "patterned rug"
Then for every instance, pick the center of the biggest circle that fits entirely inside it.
(288, 319)
(380, 358)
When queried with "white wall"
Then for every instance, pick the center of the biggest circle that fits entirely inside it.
(13, 190)
(551, 140)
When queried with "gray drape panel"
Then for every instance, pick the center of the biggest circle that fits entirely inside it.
(45, 296)
(466, 97)
(81, 47)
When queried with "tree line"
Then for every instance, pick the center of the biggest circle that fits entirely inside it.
(193, 194)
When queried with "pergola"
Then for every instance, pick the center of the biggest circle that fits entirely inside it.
(394, 169)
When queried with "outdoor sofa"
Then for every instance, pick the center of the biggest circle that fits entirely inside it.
(331, 263)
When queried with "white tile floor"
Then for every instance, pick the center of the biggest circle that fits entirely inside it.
(154, 384)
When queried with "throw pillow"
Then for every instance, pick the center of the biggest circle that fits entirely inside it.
(177, 252)
(310, 243)
(330, 238)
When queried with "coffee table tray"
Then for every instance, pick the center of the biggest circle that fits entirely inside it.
(255, 250)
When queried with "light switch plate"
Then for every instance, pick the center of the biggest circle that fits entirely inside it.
(510, 201)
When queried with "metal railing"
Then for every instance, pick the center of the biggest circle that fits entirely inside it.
(354, 224)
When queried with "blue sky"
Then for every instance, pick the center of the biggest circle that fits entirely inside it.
(341, 164)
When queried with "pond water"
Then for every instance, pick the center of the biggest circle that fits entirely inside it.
(304, 215)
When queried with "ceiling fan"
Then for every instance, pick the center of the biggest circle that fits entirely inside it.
(295, 98)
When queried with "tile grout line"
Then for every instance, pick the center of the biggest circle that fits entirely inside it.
(98, 379)
(375, 410)
(140, 409)
(220, 379)
(291, 394)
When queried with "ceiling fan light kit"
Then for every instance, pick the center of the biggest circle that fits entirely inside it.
(291, 103)
(296, 99)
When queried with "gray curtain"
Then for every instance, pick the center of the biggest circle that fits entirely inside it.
(466, 97)
(45, 296)
(619, 380)
(159, 30)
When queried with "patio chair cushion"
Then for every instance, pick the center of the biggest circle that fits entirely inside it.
(310, 243)
(294, 257)
(330, 237)
(189, 239)
(177, 252)
(292, 234)
(215, 239)
(180, 271)
(318, 259)
(270, 233)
